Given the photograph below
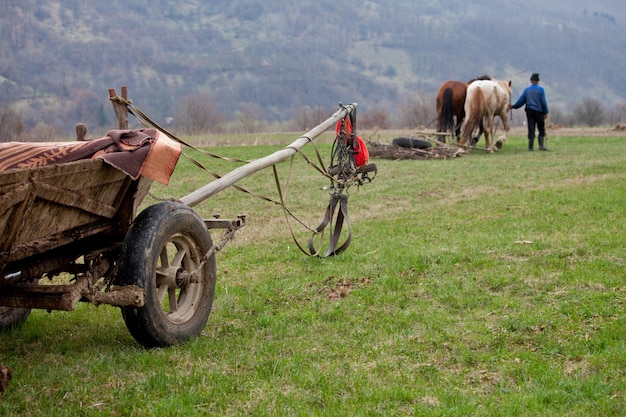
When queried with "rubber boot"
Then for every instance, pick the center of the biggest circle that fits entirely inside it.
(541, 143)
(530, 144)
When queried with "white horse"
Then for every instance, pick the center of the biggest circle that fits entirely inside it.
(486, 99)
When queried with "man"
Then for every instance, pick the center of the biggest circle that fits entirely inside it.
(534, 97)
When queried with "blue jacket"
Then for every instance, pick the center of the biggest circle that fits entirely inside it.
(534, 97)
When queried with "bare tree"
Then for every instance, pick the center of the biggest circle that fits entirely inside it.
(11, 124)
(84, 107)
(306, 117)
(375, 118)
(249, 118)
(558, 117)
(590, 112)
(44, 133)
(418, 111)
(196, 113)
(617, 114)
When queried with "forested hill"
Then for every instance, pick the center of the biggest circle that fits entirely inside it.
(58, 58)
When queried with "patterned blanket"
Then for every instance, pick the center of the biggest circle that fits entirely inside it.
(136, 152)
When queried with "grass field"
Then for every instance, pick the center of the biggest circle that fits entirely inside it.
(486, 285)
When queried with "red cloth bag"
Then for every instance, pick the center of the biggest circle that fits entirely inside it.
(361, 154)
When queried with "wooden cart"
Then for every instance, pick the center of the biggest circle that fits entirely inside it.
(79, 219)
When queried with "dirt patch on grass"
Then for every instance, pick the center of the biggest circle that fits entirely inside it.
(338, 288)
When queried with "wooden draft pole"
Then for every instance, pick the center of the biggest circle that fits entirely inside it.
(250, 168)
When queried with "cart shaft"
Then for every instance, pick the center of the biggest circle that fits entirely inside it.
(259, 164)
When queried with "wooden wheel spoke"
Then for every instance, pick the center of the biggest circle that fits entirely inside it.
(181, 252)
(165, 262)
(161, 290)
(172, 299)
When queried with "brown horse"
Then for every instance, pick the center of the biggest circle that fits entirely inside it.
(451, 104)
(485, 100)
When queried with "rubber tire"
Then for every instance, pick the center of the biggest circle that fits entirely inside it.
(412, 143)
(164, 229)
(12, 317)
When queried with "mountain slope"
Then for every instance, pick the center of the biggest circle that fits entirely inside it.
(59, 58)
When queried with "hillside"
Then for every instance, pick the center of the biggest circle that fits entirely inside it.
(59, 58)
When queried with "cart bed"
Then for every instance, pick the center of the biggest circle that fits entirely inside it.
(52, 202)
(51, 206)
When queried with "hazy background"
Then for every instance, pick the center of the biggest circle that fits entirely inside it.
(276, 64)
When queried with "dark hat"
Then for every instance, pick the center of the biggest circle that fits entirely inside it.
(534, 77)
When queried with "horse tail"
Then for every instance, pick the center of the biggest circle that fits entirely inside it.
(447, 122)
(474, 109)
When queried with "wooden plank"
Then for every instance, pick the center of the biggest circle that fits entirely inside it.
(78, 175)
(10, 223)
(70, 198)
(434, 133)
(50, 297)
(25, 248)
(13, 177)
(14, 194)
(16, 219)
(82, 174)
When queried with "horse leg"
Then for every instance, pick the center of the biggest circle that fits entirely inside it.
(481, 130)
(505, 123)
(489, 134)
(467, 130)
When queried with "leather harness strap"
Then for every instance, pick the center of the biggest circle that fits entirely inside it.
(336, 200)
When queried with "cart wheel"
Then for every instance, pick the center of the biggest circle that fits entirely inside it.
(161, 254)
(11, 317)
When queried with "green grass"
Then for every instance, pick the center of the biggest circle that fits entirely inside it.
(487, 285)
